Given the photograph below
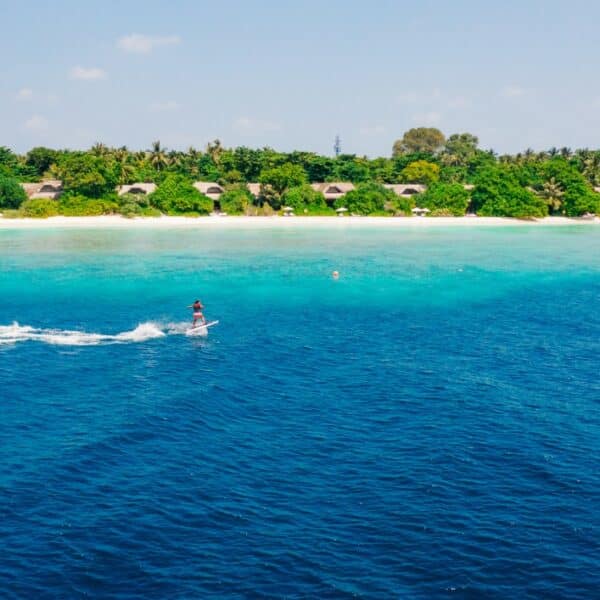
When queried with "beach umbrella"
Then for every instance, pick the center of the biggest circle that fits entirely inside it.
(340, 211)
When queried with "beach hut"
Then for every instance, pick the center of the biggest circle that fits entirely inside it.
(210, 189)
(333, 190)
(406, 190)
(288, 211)
(49, 188)
(341, 211)
(141, 189)
(420, 212)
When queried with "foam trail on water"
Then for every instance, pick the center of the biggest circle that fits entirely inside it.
(15, 333)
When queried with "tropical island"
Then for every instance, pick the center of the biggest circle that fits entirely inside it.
(427, 174)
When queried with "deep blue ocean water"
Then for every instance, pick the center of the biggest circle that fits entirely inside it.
(426, 426)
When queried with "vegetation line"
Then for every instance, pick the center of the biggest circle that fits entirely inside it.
(450, 176)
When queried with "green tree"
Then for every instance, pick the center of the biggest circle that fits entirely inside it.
(419, 139)
(158, 156)
(176, 194)
(236, 200)
(274, 182)
(9, 162)
(579, 197)
(348, 167)
(247, 161)
(12, 195)
(215, 149)
(451, 198)
(459, 148)
(421, 171)
(304, 197)
(498, 193)
(41, 159)
(553, 195)
(367, 198)
(87, 174)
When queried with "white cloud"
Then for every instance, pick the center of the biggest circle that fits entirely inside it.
(372, 130)
(87, 74)
(512, 91)
(427, 118)
(24, 94)
(169, 105)
(251, 125)
(144, 44)
(36, 123)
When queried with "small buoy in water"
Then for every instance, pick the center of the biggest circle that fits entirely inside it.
(335, 275)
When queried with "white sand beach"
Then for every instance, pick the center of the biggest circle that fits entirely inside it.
(117, 221)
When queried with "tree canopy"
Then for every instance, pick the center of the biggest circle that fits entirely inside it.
(419, 139)
(367, 198)
(176, 194)
(558, 181)
(12, 195)
(421, 171)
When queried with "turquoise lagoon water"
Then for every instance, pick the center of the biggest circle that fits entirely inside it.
(427, 426)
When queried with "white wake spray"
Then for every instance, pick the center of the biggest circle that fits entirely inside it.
(15, 333)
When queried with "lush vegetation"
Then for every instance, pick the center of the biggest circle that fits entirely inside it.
(304, 199)
(528, 184)
(451, 199)
(367, 199)
(177, 195)
(12, 195)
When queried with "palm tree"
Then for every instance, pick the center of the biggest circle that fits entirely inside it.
(450, 160)
(566, 152)
(552, 193)
(553, 152)
(124, 165)
(158, 157)
(99, 149)
(192, 158)
(193, 153)
(591, 167)
(214, 150)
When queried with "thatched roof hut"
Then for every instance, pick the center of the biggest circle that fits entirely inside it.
(406, 190)
(136, 188)
(49, 188)
(333, 190)
(209, 188)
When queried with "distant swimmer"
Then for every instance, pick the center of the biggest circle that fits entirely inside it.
(197, 312)
(335, 275)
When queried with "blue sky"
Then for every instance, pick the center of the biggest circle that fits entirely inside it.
(292, 75)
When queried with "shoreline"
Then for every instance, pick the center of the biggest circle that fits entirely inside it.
(117, 221)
